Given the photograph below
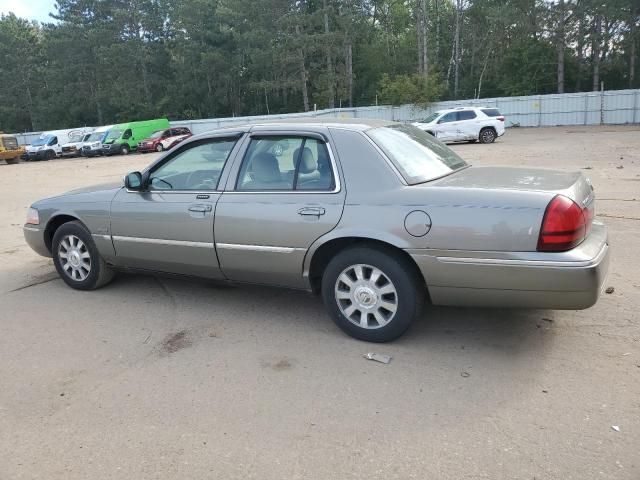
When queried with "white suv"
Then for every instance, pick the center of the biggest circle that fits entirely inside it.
(464, 124)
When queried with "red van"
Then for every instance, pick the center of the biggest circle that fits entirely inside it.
(164, 139)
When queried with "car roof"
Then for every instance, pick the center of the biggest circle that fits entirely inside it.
(458, 109)
(304, 123)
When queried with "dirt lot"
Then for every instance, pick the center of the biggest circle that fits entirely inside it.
(167, 379)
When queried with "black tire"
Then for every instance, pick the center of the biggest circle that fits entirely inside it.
(487, 135)
(12, 161)
(124, 150)
(400, 272)
(99, 273)
(50, 155)
(159, 148)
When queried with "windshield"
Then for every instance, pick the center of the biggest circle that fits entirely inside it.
(157, 134)
(94, 137)
(42, 141)
(431, 118)
(418, 155)
(75, 137)
(113, 134)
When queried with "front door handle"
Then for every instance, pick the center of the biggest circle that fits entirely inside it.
(200, 208)
(311, 211)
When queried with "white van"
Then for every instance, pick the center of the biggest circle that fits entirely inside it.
(73, 147)
(49, 144)
(93, 145)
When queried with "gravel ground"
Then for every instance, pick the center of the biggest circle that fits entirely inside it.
(160, 378)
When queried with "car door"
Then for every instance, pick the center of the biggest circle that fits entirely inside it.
(446, 126)
(467, 125)
(283, 193)
(168, 226)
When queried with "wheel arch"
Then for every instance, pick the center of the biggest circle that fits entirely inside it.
(487, 127)
(319, 256)
(56, 222)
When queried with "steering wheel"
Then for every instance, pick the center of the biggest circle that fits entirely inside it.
(200, 180)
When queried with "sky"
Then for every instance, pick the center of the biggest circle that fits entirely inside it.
(29, 9)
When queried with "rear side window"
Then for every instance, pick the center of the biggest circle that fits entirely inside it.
(491, 112)
(466, 115)
(286, 163)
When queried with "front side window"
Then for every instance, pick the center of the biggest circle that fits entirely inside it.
(196, 167)
(286, 164)
(449, 117)
(127, 134)
(417, 155)
(53, 141)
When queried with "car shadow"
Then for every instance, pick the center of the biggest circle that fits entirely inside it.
(199, 304)
(507, 331)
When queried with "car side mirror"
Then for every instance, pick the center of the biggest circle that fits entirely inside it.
(133, 181)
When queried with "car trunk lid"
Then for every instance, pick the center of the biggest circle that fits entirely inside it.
(573, 185)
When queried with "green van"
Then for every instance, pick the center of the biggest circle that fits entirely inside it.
(123, 138)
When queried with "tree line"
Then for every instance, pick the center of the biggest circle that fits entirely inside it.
(105, 61)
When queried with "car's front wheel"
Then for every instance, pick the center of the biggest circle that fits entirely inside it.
(159, 147)
(371, 293)
(76, 258)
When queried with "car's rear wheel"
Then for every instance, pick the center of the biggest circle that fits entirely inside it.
(76, 258)
(487, 135)
(371, 293)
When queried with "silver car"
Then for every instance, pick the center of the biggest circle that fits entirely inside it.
(375, 216)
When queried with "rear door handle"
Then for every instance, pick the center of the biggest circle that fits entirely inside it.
(200, 208)
(311, 211)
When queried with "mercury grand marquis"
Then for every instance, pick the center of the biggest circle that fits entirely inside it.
(375, 216)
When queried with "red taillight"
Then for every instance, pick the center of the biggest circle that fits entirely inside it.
(564, 226)
(501, 118)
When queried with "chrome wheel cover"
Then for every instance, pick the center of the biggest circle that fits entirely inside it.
(366, 296)
(74, 257)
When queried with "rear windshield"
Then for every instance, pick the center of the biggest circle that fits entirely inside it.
(491, 112)
(417, 154)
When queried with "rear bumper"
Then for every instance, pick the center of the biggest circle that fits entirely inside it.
(34, 235)
(565, 281)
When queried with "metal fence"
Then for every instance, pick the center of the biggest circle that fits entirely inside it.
(613, 107)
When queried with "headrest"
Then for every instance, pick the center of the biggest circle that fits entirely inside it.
(308, 164)
(265, 168)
